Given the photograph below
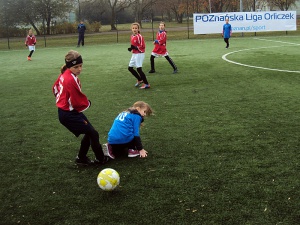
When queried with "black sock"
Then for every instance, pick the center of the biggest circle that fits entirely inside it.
(134, 73)
(152, 62)
(31, 52)
(171, 62)
(142, 75)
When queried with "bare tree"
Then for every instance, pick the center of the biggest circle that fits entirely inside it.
(49, 9)
(283, 5)
(143, 9)
(116, 6)
(92, 10)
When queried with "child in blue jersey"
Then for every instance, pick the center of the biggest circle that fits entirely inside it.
(227, 31)
(124, 135)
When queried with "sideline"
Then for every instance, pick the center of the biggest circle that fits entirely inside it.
(259, 67)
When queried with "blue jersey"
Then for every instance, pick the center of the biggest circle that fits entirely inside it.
(125, 127)
(226, 30)
(81, 28)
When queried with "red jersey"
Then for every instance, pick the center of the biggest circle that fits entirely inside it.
(160, 43)
(30, 40)
(67, 90)
(138, 41)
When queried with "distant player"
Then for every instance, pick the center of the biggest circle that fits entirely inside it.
(160, 48)
(138, 55)
(227, 31)
(81, 30)
(30, 41)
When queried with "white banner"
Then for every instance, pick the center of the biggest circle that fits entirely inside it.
(245, 21)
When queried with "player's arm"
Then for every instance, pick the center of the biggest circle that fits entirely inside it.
(79, 100)
(137, 119)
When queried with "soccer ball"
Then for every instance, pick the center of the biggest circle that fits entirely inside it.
(108, 179)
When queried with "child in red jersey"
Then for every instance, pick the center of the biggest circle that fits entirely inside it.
(138, 55)
(160, 48)
(30, 41)
(71, 103)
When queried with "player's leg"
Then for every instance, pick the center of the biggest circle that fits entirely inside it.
(78, 124)
(226, 41)
(132, 63)
(79, 40)
(31, 50)
(82, 40)
(119, 150)
(152, 57)
(139, 58)
(134, 73)
(142, 75)
(84, 147)
(30, 53)
(171, 63)
(91, 138)
(95, 143)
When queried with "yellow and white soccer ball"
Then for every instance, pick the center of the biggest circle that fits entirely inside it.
(108, 179)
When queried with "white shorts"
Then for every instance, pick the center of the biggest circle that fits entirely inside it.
(31, 48)
(159, 55)
(137, 60)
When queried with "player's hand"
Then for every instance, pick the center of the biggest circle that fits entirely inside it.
(134, 47)
(129, 49)
(143, 153)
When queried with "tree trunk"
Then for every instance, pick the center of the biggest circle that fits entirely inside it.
(35, 28)
(113, 19)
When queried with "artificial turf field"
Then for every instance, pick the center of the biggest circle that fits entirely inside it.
(223, 144)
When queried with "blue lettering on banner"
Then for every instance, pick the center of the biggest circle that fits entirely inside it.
(248, 16)
(217, 18)
(250, 28)
(279, 16)
(254, 18)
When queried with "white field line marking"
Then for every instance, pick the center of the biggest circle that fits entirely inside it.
(282, 42)
(259, 67)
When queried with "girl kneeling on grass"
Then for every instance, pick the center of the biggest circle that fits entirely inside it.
(124, 135)
(71, 103)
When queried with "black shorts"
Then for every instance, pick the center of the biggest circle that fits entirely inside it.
(75, 122)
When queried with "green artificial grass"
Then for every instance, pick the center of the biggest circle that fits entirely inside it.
(223, 143)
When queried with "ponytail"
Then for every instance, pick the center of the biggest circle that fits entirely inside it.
(63, 69)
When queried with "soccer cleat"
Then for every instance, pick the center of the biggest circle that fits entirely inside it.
(138, 83)
(107, 151)
(84, 161)
(145, 86)
(28, 58)
(103, 161)
(175, 71)
(151, 71)
(133, 153)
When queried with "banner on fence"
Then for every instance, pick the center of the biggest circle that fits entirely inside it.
(245, 21)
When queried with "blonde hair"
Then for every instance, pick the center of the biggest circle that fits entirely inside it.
(141, 104)
(136, 24)
(71, 55)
